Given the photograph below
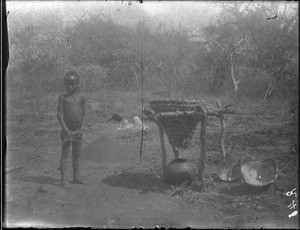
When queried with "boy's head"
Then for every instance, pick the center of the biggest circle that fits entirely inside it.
(71, 81)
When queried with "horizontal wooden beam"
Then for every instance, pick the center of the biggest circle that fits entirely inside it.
(216, 113)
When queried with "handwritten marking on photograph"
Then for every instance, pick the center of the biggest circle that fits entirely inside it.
(293, 204)
(290, 193)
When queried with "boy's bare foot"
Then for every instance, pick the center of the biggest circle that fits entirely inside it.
(65, 185)
(77, 181)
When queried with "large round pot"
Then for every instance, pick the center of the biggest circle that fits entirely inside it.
(179, 171)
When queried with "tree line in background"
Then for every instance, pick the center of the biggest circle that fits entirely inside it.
(250, 49)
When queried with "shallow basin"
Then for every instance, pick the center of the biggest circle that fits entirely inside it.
(259, 173)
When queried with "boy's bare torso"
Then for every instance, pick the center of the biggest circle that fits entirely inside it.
(73, 111)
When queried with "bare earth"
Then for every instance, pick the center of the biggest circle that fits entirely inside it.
(123, 192)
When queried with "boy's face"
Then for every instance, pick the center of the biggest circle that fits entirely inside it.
(71, 84)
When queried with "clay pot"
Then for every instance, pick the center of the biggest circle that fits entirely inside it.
(180, 171)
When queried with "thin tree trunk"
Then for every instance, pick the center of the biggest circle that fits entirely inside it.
(202, 158)
(222, 134)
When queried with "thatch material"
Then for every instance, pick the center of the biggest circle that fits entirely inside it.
(180, 130)
(173, 105)
(180, 118)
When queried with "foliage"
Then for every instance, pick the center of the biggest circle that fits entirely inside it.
(237, 47)
(259, 37)
(276, 46)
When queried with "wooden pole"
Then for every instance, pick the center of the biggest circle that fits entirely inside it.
(175, 151)
(162, 145)
(202, 158)
(222, 139)
(222, 134)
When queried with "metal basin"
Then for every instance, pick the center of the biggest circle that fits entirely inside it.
(259, 173)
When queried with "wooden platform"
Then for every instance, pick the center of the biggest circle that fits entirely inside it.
(178, 118)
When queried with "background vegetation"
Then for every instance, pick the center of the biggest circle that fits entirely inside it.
(246, 51)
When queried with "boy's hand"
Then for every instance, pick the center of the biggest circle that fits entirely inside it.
(69, 133)
(80, 131)
(77, 132)
(73, 133)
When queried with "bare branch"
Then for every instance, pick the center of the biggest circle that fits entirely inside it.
(269, 90)
(221, 47)
(234, 81)
(136, 77)
(240, 41)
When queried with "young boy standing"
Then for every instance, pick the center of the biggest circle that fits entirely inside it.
(71, 114)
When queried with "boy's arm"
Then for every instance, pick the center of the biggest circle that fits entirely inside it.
(83, 115)
(60, 114)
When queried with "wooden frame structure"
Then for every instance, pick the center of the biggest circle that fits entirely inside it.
(179, 119)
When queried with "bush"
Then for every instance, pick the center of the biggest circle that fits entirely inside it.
(254, 84)
(92, 77)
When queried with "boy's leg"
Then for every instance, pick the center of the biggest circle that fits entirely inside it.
(64, 159)
(76, 149)
(64, 163)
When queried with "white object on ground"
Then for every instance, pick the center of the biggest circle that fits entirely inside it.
(125, 125)
(137, 124)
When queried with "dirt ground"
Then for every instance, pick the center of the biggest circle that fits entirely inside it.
(124, 191)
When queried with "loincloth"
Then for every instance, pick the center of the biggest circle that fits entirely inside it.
(75, 137)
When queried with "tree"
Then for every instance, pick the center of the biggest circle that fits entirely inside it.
(227, 45)
(274, 32)
(259, 36)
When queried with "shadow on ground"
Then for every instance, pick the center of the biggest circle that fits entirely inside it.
(244, 189)
(41, 180)
(145, 182)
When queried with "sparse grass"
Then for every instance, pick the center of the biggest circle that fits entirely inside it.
(34, 107)
(223, 208)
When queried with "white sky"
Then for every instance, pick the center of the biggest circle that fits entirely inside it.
(173, 11)
(151, 7)
(75, 9)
